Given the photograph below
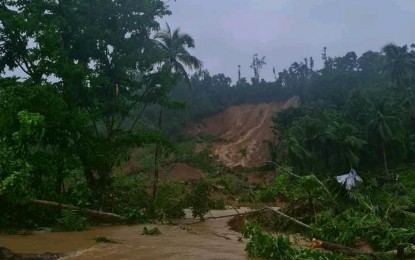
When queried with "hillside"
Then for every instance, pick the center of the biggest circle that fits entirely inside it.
(242, 130)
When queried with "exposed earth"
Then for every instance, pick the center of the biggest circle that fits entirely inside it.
(243, 130)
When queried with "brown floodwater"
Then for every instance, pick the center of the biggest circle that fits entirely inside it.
(211, 239)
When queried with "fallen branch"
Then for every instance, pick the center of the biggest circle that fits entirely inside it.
(288, 217)
(336, 248)
(265, 208)
(111, 217)
(222, 236)
(237, 214)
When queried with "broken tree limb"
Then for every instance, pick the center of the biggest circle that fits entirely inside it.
(237, 214)
(341, 249)
(262, 209)
(111, 217)
(288, 217)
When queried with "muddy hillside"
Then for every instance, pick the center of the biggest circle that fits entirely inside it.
(242, 130)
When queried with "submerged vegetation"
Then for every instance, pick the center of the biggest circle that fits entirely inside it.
(91, 85)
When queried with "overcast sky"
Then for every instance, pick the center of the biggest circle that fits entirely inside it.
(229, 32)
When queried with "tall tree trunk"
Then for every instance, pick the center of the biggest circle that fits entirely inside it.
(385, 162)
(89, 176)
(156, 157)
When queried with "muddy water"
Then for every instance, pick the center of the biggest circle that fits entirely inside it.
(210, 239)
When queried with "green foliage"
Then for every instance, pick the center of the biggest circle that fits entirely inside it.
(218, 204)
(348, 227)
(128, 194)
(279, 189)
(205, 161)
(139, 216)
(228, 183)
(169, 202)
(198, 199)
(377, 213)
(70, 220)
(355, 112)
(265, 245)
(391, 237)
(279, 247)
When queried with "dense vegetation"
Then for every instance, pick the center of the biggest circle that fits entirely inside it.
(356, 112)
(85, 72)
(91, 82)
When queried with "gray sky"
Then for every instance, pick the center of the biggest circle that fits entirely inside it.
(229, 32)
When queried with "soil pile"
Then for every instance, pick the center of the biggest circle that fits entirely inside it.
(243, 130)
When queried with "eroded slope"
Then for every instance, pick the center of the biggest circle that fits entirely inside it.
(243, 129)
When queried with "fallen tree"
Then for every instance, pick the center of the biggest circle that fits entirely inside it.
(110, 217)
(336, 248)
(263, 209)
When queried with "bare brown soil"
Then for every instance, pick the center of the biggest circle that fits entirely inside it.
(181, 172)
(260, 178)
(131, 166)
(244, 129)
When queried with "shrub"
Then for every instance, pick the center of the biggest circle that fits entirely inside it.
(169, 202)
(199, 200)
(70, 220)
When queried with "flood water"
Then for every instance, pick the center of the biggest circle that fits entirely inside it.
(211, 239)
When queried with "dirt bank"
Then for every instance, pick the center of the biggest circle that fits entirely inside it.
(243, 129)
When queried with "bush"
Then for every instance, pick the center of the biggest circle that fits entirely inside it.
(128, 197)
(70, 220)
(279, 247)
(199, 200)
(228, 183)
(169, 202)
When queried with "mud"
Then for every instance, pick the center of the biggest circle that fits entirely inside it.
(210, 239)
(243, 129)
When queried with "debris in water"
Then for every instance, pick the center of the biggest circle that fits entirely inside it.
(151, 232)
(104, 240)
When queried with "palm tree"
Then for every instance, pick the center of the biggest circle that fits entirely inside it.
(400, 67)
(348, 144)
(400, 64)
(385, 125)
(291, 147)
(174, 47)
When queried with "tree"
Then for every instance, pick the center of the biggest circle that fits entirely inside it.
(348, 144)
(386, 126)
(400, 64)
(174, 46)
(256, 65)
(103, 61)
(400, 67)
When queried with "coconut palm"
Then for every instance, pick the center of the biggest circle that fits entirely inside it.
(400, 64)
(400, 67)
(386, 126)
(344, 137)
(174, 47)
(291, 147)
